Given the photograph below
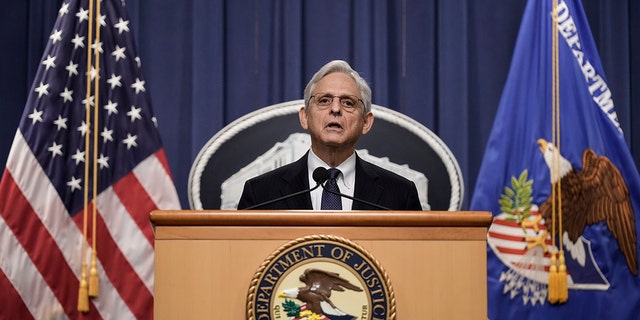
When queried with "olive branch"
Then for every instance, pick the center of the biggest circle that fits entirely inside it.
(516, 201)
(291, 308)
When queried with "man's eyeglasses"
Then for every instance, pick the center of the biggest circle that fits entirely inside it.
(348, 102)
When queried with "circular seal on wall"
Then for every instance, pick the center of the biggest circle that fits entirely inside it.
(320, 277)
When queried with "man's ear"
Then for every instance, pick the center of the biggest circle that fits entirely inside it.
(368, 123)
(302, 114)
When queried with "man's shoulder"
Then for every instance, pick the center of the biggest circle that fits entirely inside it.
(386, 187)
(287, 171)
(377, 172)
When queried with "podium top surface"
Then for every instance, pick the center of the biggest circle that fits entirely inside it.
(320, 218)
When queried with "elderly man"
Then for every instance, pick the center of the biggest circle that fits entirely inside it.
(337, 112)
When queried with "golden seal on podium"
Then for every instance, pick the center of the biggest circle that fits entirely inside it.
(320, 277)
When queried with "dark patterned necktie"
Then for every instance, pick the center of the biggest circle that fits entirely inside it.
(331, 201)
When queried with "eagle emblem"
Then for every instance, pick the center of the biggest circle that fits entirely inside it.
(320, 277)
(596, 193)
(316, 293)
(520, 234)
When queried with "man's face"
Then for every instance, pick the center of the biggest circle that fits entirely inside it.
(334, 126)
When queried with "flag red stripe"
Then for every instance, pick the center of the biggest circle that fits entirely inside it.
(138, 203)
(529, 266)
(162, 157)
(46, 186)
(119, 271)
(40, 247)
(520, 252)
(11, 304)
(514, 224)
(506, 237)
(512, 251)
(503, 236)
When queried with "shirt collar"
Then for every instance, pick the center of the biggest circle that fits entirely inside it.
(347, 167)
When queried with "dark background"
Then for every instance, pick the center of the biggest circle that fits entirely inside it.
(209, 62)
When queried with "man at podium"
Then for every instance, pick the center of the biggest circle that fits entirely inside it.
(336, 113)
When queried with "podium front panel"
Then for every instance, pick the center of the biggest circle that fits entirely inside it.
(205, 261)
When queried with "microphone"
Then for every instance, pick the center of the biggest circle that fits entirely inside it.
(326, 176)
(320, 175)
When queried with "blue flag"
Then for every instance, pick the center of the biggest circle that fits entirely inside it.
(600, 185)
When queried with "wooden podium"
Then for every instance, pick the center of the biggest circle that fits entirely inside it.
(435, 260)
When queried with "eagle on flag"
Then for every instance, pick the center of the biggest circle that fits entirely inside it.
(596, 193)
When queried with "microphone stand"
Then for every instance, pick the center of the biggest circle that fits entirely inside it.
(371, 204)
(282, 198)
(320, 175)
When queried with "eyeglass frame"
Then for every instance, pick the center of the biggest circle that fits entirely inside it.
(340, 97)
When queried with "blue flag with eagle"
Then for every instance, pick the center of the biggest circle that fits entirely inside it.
(600, 185)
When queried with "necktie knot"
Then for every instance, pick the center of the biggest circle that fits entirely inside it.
(333, 173)
(331, 201)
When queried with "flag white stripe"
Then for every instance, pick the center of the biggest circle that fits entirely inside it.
(51, 211)
(25, 278)
(518, 258)
(512, 231)
(154, 179)
(44, 200)
(128, 237)
(108, 303)
(516, 245)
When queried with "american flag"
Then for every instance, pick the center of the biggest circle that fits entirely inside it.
(43, 185)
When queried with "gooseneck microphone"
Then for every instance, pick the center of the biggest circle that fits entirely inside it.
(325, 175)
(320, 175)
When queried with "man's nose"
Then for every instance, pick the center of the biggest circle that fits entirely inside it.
(335, 105)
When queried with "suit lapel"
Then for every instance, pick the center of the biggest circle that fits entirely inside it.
(366, 187)
(297, 179)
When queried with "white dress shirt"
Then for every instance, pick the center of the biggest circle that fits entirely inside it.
(346, 179)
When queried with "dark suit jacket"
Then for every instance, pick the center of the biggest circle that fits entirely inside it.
(373, 184)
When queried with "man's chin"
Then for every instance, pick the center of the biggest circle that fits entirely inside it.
(337, 143)
(333, 141)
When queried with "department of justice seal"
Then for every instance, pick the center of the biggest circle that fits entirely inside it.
(320, 277)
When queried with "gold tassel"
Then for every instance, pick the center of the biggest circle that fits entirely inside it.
(563, 288)
(83, 296)
(93, 272)
(553, 280)
(93, 277)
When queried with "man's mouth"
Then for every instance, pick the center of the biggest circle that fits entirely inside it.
(334, 125)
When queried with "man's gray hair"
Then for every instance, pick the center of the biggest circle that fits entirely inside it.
(342, 67)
